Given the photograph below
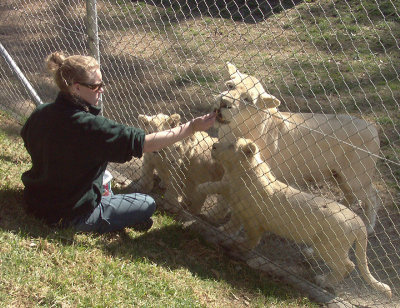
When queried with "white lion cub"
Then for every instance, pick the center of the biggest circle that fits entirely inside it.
(155, 160)
(303, 147)
(262, 203)
(181, 166)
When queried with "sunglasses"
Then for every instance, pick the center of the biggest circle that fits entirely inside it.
(94, 87)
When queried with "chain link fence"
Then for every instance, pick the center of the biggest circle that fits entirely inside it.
(335, 62)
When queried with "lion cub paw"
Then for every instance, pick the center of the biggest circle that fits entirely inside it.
(322, 281)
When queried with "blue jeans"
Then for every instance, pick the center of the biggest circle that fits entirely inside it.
(115, 212)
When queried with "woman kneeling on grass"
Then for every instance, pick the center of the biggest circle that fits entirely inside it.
(70, 146)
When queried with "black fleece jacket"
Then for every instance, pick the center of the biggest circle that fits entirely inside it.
(70, 146)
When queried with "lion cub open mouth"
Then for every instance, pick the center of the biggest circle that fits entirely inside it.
(219, 117)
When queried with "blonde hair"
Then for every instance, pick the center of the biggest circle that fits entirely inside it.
(72, 69)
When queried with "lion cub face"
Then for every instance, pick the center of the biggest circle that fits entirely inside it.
(244, 92)
(174, 153)
(159, 122)
(237, 154)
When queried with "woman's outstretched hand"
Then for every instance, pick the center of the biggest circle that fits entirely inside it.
(156, 141)
(203, 123)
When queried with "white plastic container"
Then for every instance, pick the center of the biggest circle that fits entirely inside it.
(107, 177)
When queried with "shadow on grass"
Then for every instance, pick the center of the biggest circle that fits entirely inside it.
(244, 11)
(8, 125)
(14, 218)
(171, 247)
(175, 248)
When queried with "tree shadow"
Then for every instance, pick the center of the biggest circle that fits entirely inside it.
(11, 129)
(238, 10)
(137, 86)
(14, 218)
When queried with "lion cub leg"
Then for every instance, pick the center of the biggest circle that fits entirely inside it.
(171, 198)
(253, 239)
(173, 190)
(336, 256)
(239, 218)
(192, 197)
(210, 188)
(221, 188)
(233, 226)
(360, 187)
(146, 181)
(220, 210)
(370, 202)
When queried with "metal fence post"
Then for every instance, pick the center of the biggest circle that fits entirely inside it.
(20, 75)
(93, 33)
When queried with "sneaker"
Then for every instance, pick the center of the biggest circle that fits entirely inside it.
(143, 226)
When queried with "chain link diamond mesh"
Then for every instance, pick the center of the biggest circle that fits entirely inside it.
(336, 62)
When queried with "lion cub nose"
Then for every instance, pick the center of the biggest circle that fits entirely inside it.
(223, 104)
(217, 111)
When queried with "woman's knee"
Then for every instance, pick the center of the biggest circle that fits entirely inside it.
(145, 202)
(151, 204)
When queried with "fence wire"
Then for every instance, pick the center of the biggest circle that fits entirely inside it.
(333, 67)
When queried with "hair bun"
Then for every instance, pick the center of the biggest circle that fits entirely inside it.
(54, 61)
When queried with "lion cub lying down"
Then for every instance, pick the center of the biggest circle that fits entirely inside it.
(181, 166)
(262, 203)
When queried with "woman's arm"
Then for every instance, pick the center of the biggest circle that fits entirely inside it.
(156, 141)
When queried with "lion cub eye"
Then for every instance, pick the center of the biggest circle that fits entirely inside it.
(248, 100)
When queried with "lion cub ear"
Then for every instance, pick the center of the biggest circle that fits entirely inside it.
(249, 149)
(232, 70)
(174, 120)
(143, 118)
(266, 101)
(230, 84)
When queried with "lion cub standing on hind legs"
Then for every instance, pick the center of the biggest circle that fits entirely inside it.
(155, 160)
(181, 166)
(261, 203)
(302, 147)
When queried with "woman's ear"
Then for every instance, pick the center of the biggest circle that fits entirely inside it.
(75, 88)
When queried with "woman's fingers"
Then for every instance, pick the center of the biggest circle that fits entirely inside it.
(204, 122)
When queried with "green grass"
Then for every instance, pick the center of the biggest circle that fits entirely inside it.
(166, 267)
(356, 48)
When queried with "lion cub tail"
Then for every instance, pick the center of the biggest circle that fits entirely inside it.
(361, 256)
